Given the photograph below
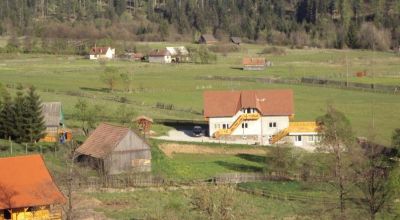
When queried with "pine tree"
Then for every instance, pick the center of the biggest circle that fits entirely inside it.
(6, 117)
(18, 130)
(34, 120)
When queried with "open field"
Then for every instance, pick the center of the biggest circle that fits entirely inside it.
(68, 78)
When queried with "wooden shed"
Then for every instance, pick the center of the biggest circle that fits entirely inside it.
(115, 149)
(53, 118)
(236, 40)
(207, 39)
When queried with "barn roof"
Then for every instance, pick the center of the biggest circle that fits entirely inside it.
(142, 117)
(52, 113)
(103, 140)
(236, 40)
(208, 38)
(251, 61)
(268, 102)
(26, 182)
(159, 53)
(98, 50)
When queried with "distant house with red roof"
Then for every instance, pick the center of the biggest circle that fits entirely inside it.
(114, 149)
(262, 115)
(251, 63)
(102, 53)
(160, 56)
(27, 190)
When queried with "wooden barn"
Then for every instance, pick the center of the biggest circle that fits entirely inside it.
(207, 39)
(236, 40)
(27, 190)
(54, 121)
(115, 149)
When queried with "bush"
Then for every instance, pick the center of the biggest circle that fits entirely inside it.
(299, 39)
(276, 38)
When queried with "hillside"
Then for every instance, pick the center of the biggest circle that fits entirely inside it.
(331, 23)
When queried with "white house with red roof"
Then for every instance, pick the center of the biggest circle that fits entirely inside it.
(262, 115)
(102, 53)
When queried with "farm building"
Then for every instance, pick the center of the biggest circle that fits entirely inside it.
(133, 56)
(254, 63)
(102, 53)
(236, 40)
(54, 121)
(207, 39)
(160, 56)
(27, 190)
(115, 149)
(178, 54)
(262, 115)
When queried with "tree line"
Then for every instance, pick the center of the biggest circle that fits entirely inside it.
(320, 23)
(21, 117)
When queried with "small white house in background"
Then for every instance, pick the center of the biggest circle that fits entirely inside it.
(160, 56)
(263, 116)
(178, 54)
(102, 53)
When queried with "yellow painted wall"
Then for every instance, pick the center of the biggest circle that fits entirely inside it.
(41, 214)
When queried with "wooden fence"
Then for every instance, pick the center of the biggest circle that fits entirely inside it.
(370, 87)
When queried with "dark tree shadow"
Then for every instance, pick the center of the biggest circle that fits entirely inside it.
(239, 167)
(253, 158)
(236, 68)
(95, 89)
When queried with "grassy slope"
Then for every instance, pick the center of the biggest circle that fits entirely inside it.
(57, 77)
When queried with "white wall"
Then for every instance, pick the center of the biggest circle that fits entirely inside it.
(253, 126)
(164, 59)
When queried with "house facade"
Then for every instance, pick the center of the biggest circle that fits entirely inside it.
(264, 116)
(115, 149)
(160, 56)
(102, 53)
(28, 191)
(178, 54)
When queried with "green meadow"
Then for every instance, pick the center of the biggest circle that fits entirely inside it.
(68, 78)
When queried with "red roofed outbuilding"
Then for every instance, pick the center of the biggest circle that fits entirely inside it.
(251, 63)
(27, 189)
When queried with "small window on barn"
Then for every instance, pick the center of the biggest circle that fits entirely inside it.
(224, 126)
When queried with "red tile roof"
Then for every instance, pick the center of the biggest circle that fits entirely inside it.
(103, 140)
(25, 181)
(98, 50)
(248, 61)
(228, 103)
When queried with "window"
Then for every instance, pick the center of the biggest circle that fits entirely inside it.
(224, 126)
(318, 138)
(311, 138)
(244, 125)
(272, 124)
(298, 138)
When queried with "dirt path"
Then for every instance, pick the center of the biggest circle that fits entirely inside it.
(171, 148)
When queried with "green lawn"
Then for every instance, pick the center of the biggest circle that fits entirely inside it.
(186, 167)
(145, 204)
(67, 78)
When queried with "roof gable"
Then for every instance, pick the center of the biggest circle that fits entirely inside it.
(208, 38)
(26, 182)
(102, 140)
(99, 50)
(228, 103)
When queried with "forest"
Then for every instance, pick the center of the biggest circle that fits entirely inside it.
(370, 24)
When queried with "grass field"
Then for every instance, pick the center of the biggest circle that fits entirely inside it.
(67, 78)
